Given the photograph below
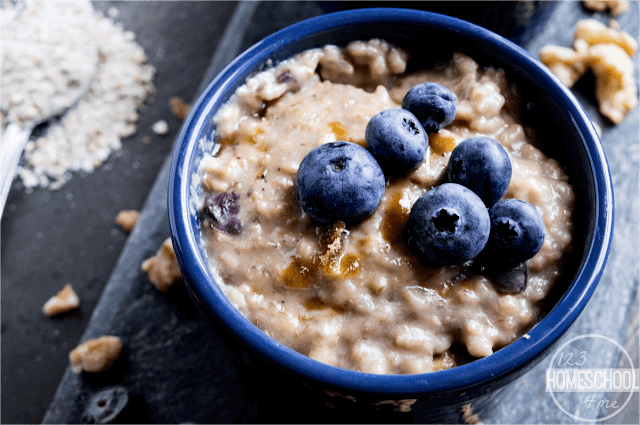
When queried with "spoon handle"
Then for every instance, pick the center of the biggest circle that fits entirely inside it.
(11, 145)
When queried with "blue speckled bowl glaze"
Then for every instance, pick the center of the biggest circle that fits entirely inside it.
(563, 128)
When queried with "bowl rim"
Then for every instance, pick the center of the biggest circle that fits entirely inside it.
(501, 363)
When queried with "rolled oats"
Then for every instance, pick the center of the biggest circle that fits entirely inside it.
(48, 50)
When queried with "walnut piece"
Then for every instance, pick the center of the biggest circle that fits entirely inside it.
(179, 108)
(615, 7)
(616, 89)
(607, 53)
(162, 269)
(127, 219)
(468, 417)
(566, 63)
(594, 32)
(96, 355)
(63, 301)
(334, 243)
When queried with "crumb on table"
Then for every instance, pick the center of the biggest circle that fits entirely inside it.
(63, 301)
(127, 219)
(162, 269)
(160, 127)
(96, 355)
(179, 108)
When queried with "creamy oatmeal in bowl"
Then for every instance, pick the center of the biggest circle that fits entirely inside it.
(342, 303)
(354, 296)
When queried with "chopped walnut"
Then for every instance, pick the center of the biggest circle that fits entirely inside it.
(179, 108)
(63, 301)
(615, 7)
(334, 243)
(127, 219)
(616, 89)
(606, 52)
(468, 417)
(566, 63)
(162, 269)
(594, 32)
(96, 355)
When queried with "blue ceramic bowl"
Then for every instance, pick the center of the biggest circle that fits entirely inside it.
(562, 125)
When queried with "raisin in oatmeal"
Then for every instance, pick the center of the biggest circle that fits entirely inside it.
(354, 296)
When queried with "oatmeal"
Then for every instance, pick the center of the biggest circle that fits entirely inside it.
(355, 296)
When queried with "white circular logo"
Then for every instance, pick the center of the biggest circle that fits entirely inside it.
(581, 365)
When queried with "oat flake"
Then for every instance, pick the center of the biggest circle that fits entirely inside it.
(43, 45)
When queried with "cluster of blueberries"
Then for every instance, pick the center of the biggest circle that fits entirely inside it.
(457, 221)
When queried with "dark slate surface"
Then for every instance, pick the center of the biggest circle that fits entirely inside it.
(50, 238)
(179, 368)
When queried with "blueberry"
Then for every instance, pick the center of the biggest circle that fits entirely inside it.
(482, 165)
(339, 181)
(517, 234)
(223, 208)
(447, 225)
(397, 140)
(105, 406)
(512, 280)
(506, 278)
(433, 104)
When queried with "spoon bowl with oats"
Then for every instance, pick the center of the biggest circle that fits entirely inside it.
(44, 74)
